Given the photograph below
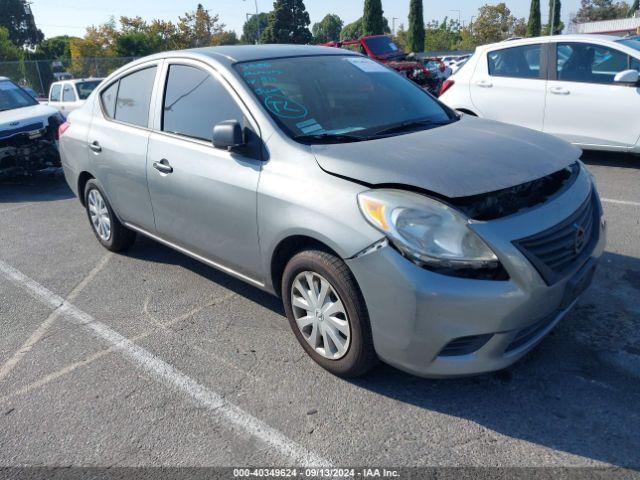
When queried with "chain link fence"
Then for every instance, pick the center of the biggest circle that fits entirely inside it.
(40, 74)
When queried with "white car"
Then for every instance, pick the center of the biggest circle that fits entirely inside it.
(582, 88)
(69, 95)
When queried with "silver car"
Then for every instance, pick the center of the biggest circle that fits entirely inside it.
(391, 227)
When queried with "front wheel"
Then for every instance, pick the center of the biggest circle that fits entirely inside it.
(327, 313)
(108, 230)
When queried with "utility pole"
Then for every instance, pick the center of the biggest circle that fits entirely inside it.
(257, 14)
(552, 20)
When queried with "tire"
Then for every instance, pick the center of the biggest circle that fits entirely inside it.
(357, 355)
(118, 238)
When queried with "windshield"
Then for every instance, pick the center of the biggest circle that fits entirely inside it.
(12, 96)
(631, 42)
(85, 88)
(339, 95)
(382, 46)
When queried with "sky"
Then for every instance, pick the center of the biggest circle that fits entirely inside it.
(70, 17)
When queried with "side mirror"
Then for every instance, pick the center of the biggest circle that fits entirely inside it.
(628, 77)
(228, 135)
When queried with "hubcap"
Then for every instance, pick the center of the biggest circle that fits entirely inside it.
(320, 315)
(99, 214)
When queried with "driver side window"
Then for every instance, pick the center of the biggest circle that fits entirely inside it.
(195, 102)
(588, 63)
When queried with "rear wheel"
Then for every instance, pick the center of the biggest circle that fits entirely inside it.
(108, 230)
(327, 313)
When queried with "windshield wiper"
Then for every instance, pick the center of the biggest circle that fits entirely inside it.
(330, 138)
(410, 126)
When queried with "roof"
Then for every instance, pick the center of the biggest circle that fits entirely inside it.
(248, 53)
(619, 25)
(577, 37)
(4, 78)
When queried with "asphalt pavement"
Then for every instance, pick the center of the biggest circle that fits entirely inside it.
(152, 359)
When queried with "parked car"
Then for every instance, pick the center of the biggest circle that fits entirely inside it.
(68, 95)
(390, 226)
(581, 88)
(382, 49)
(28, 132)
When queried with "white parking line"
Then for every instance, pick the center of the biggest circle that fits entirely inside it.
(621, 202)
(42, 329)
(167, 374)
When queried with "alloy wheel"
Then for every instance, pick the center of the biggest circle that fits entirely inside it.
(99, 215)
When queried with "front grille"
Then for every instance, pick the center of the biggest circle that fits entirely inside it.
(464, 345)
(526, 335)
(566, 246)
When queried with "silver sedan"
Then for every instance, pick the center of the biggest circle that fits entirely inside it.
(391, 227)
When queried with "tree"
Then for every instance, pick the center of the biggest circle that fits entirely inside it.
(401, 38)
(634, 8)
(596, 10)
(555, 17)
(253, 28)
(534, 27)
(197, 28)
(18, 20)
(288, 23)
(495, 23)
(226, 37)
(55, 48)
(8, 51)
(328, 29)
(416, 33)
(442, 36)
(356, 30)
(373, 18)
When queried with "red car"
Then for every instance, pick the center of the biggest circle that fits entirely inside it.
(382, 49)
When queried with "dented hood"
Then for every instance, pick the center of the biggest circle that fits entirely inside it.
(468, 157)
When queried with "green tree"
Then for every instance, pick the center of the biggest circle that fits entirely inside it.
(401, 38)
(288, 23)
(596, 10)
(495, 23)
(534, 27)
(55, 48)
(355, 30)
(416, 33)
(226, 37)
(253, 28)
(634, 8)
(442, 36)
(18, 20)
(555, 16)
(328, 29)
(373, 18)
(8, 51)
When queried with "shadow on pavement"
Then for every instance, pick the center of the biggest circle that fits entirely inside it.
(612, 159)
(45, 186)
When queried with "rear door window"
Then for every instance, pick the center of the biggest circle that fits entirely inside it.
(589, 63)
(195, 102)
(134, 97)
(55, 93)
(516, 62)
(68, 94)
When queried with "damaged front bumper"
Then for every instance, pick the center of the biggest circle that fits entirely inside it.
(29, 149)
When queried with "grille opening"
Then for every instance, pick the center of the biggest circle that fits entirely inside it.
(465, 345)
(566, 246)
(528, 334)
(509, 201)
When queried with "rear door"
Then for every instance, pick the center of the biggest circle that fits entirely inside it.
(509, 85)
(584, 105)
(204, 199)
(118, 141)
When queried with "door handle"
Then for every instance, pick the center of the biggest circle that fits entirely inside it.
(484, 84)
(560, 91)
(95, 146)
(163, 166)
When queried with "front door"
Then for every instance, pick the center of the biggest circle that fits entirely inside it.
(204, 199)
(509, 86)
(584, 105)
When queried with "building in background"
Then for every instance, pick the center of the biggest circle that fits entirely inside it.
(620, 27)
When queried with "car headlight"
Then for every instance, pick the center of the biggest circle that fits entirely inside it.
(426, 230)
